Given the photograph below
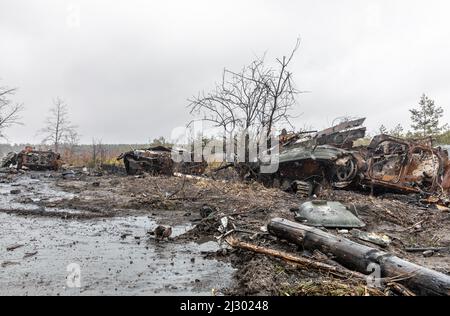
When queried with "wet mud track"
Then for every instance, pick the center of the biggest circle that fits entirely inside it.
(39, 247)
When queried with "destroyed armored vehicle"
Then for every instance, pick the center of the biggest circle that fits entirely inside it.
(313, 165)
(154, 160)
(388, 163)
(158, 160)
(326, 155)
(32, 160)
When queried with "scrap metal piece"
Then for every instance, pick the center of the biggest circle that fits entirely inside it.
(340, 127)
(327, 214)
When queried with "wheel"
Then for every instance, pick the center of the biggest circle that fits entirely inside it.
(345, 171)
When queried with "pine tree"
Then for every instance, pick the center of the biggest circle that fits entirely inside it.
(426, 117)
(397, 131)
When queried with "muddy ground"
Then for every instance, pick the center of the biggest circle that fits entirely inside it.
(101, 222)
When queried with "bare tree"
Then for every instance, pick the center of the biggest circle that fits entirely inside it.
(98, 153)
(256, 98)
(58, 128)
(9, 110)
(71, 143)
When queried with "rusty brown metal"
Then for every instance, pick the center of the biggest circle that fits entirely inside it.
(406, 165)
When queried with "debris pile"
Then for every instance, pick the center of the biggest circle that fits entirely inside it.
(155, 160)
(387, 163)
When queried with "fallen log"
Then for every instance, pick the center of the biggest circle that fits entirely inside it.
(361, 258)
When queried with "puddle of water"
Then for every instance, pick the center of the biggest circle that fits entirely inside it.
(110, 264)
(116, 255)
(35, 190)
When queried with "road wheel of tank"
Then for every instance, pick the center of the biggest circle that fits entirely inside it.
(344, 172)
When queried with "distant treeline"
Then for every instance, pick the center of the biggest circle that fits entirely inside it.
(6, 148)
(81, 155)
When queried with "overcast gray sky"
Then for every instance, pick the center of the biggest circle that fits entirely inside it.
(126, 68)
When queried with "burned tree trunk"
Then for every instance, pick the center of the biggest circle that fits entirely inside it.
(361, 258)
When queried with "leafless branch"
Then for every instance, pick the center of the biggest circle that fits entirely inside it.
(58, 129)
(257, 98)
(9, 111)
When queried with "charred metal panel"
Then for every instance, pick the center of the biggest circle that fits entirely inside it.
(340, 127)
(342, 135)
(406, 165)
(337, 166)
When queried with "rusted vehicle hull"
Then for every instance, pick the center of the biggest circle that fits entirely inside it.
(407, 166)
(159, 160)
(38, 160)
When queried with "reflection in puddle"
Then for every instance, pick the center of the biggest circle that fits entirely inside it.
(110, 264)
